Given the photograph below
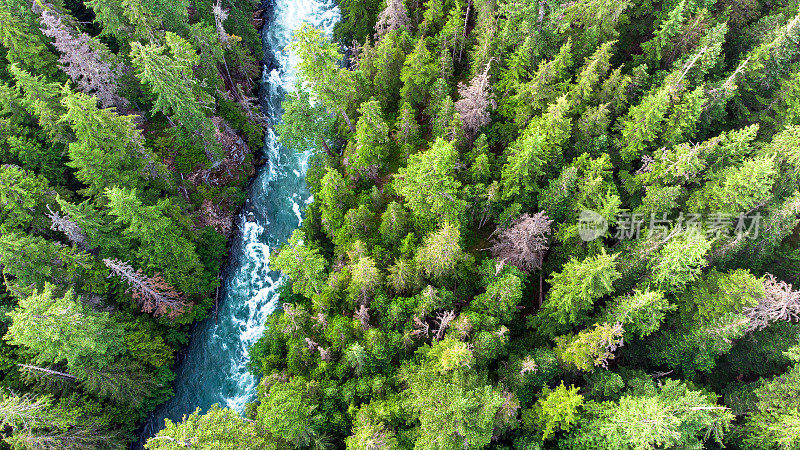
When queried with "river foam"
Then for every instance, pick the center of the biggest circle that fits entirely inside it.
(215, 366)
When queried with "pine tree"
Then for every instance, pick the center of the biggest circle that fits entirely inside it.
(286, 413)
(577, 286)
(302, 264)
(590, 348)
(319, 66)
(672, 415)
(167, 70)
(641, 313)
(418, 74)
(558, 409)
(32, 261)
(221, 428)
(304, 126)
(163, 247)
(60, 328)
(335, 198)
(26, 47)
(109, 149)
(455, 408)
(38, 422)
(42, 99)
(369, 153)
(429, 186)
(440, 253)
(22, 199)
(140, 19)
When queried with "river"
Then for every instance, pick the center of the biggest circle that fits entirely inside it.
(215, 366)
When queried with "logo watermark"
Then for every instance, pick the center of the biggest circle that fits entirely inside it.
(592, 225)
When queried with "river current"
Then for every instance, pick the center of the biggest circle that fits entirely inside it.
(215, 366)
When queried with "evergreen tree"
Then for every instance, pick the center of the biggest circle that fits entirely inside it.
(59, 328)
(429, 186)
(221, 428)
(163, 247)
(168, 71)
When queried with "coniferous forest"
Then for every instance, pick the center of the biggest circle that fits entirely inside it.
(536, 224)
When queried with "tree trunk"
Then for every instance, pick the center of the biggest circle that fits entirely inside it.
(326, 148)
(347, 120)
(540, 290)
(464, 33)
(48, 371)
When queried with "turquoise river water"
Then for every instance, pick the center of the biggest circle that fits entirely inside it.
(215, 366)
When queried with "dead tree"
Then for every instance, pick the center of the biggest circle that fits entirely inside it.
(292, 313)
(362, 314)
(48, 372)
(780, 303)
(421, 328)
(528, 366)
(393, 17)
(443, 319)
(220, 16)
(153, 294)
(475, 102)
(524, 243)
(70, 228)
(84, 59)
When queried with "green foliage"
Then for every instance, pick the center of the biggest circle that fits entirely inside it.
(590, 348)
(163, 247)
(440, 254)
(59, 328)
(286, 414)
(302, 264)
(429, 186)
(642, 312)
(221, 428)
(558, 409)
(399, 327)
(673, 415)
(774, 421)
(578, 286)
(454, 408)
(168, 72)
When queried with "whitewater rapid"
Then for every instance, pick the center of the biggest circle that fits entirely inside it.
(215, 366)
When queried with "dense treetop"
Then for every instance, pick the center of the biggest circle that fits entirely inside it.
(118, 185)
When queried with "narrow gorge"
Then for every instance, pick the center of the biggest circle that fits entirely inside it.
(215, 366)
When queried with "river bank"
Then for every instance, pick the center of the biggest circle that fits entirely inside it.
(214, 365)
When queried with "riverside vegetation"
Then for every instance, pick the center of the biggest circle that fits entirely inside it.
(126, 130)
(445, 289)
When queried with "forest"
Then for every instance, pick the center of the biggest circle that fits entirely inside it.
(128, 132)
(536, 224)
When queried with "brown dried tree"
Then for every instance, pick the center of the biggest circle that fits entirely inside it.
(321, 320)
(153, 294)
(443, 320)
(780, 303)
(87, 61)
(393, 17)
(292, 313)
(524, 243)
(220, 16)
(71, 229)
(362, 314)
(528, 366)
(421, 328)
(475, 101)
